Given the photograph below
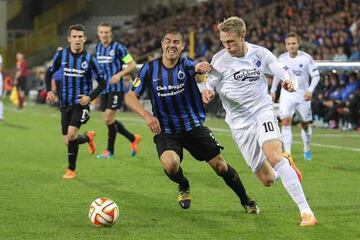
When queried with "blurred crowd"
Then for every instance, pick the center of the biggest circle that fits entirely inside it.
(336, 102)
(330, 30)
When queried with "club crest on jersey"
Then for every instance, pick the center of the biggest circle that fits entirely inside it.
(257, 63)
(84, 65)
(136, 82)
(181, 75)
(249, 75)
(112, 52)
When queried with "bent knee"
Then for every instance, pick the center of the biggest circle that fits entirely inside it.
(221, 168)
(171, 166)
(286, 122)
(219, 165)
(108, 121)
(71, 137)
(267, 181)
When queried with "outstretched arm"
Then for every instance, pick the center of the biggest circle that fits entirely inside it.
(133, 102)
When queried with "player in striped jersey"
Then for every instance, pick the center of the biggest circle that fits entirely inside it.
(304, 67)
(178, 117)
(111, 56)
(78, 68)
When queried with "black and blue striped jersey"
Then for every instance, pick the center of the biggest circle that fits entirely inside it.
(111, 60)
(175, 97)
(78, 70)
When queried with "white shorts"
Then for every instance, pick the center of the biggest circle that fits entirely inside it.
(291, 102)
(263, 128)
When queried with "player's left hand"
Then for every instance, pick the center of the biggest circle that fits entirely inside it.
(207, 96)
(202, 67)
(84, 100)
(115, 78)
(288, 85)
(308, 96)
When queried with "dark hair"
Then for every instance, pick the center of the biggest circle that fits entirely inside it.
(293, 34)
(105, 24)
(76, 27)
(174, 30)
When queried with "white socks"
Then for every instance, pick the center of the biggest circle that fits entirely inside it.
(306, 137)
(286, 137)
(292, 184)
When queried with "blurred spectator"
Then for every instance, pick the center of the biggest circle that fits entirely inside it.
(20, 77)
(1, 91)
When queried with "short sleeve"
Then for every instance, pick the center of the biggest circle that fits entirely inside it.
(123, 54)
(140, 82)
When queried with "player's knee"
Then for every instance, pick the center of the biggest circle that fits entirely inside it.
(108, 120)
(170, 167)
(304, 125)
(267, 181)
(286, 122)
(220, 168)
(71, 137)
(219, 165)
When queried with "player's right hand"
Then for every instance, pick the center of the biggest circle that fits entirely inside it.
(203, 67)
(288, 85)
(153, 123)
(207, 96)
(50, 97)
(273, 96)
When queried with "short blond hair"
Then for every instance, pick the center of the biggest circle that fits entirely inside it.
(233, 24)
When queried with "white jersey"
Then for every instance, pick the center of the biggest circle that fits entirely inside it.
(304, 67)
(241, 83)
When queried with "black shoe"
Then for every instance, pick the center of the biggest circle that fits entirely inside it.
(251, 207)
(184, 198)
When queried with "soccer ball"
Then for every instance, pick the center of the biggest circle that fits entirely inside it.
(103, 212)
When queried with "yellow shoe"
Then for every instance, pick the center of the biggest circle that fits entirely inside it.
(134, 145)
(308, 219)
(92, 146)
(184, 199)
(293, 165)
(69, 174)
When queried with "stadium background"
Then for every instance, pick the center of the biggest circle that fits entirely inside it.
(36, 204)
(330, 30)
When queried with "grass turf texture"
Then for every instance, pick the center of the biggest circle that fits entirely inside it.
(36, 203)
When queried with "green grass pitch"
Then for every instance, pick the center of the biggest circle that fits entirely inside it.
(36, 203)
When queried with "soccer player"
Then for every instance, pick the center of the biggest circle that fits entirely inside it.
(1, 91)
(21, 77)
(238, 77)
(111, 56)
(303, 66)
(78, 67)
(178, 117)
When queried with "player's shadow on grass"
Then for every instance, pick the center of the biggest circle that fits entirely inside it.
(12, 125)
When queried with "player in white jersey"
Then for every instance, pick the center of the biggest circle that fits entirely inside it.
(1, 91)
(304, 67)
(238, 78)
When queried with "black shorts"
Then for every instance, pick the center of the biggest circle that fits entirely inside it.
(112, 100)
(200, 142)
(21, 83)
(75, 115)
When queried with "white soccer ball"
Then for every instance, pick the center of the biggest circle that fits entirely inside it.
(103, 212)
